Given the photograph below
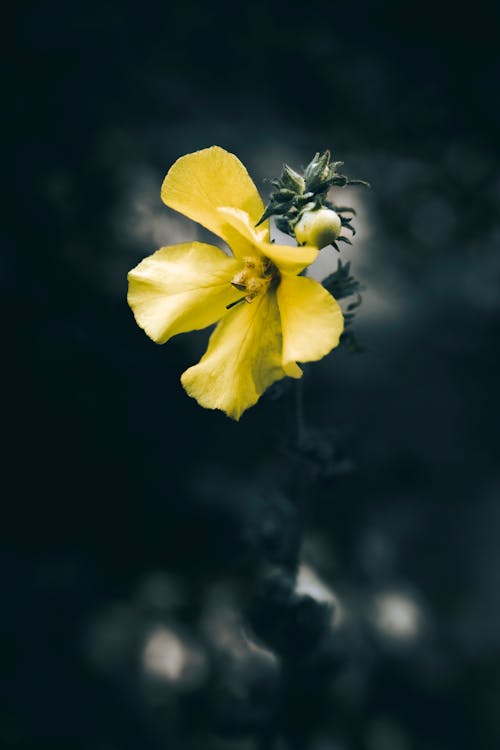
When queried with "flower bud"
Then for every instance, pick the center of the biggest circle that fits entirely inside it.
(292, 180)
(319, 228)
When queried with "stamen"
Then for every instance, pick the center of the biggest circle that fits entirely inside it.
(254, 278)
(233, 304)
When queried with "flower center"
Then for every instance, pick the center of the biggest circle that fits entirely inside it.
(255, 277)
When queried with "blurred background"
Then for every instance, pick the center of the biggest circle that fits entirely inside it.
(149, 595)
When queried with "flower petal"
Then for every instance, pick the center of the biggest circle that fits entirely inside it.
(252, 240)
(200, 182)
(289, 259)
(242, 360)
(311, 319)
(247, 237)
(181, 288)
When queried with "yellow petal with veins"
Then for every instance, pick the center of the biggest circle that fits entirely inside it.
(198, 183)
(290, 260)
(243, 358)
(252, 240)
(247, 237)
(181, 288)
(311, 319)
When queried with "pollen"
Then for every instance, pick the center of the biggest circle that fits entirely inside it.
(255, 277)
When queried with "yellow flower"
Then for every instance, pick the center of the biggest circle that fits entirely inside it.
(269, 317)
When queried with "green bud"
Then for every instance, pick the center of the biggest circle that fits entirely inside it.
(319, 227)
(292, 180)
(296, 195)
(318, 172)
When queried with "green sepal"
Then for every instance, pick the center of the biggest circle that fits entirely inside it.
(341, 283)
(292, 180)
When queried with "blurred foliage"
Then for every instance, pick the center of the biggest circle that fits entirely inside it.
(341, 284)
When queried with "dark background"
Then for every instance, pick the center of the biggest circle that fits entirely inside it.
(150, 545)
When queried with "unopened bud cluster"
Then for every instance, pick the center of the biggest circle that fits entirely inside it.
(301, 207)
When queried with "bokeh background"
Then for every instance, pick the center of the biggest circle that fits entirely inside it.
(150, 547)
